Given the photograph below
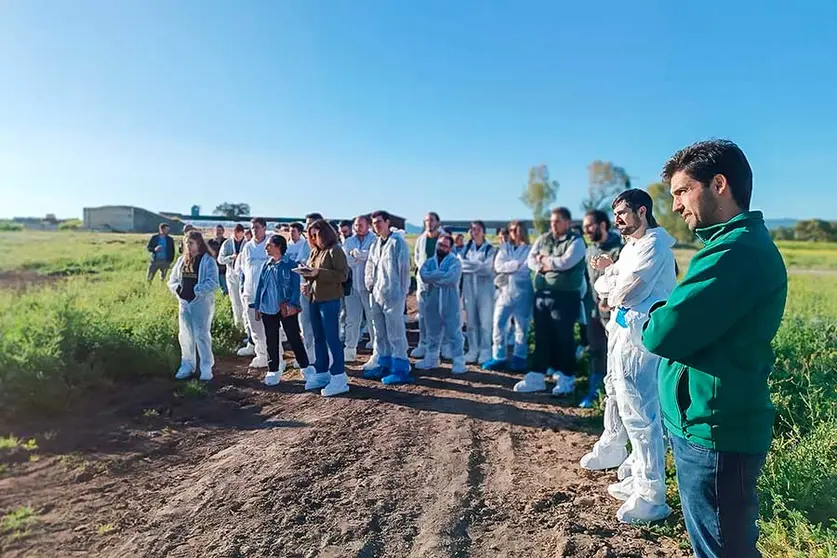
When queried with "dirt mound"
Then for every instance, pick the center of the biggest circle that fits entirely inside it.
(447, 467)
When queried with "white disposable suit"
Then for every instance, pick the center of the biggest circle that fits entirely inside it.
(514, 300)
(357, 304)
(227, 256)
(643, 275)
(478, 296)
(195, 317)
(251, 261)
(441, 311)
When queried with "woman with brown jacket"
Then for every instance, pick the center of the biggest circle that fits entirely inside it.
(324, 275)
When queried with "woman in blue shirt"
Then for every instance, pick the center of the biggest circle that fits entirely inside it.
(277, 304)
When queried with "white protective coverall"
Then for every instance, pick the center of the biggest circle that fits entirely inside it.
(419, 257)
(303, 251)
(643, 275)
(251, 261)
(357, 304)
(514, 300)
(441, 311)
(195, 318)
(388, 280)
(478, 295)
(226, 256)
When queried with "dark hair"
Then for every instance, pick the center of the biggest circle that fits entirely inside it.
(279, 240)
(298, 226)
(448, 236)
(345, 223)
(434, 215)
(238, 227)
(599, 217)
(326, 232)
(480, 224)
(382, 214)
(258, 220)
(203, 248)
(314, 217)
(562, 212)
(634, 199)
(522, 230)
(705, 159)
(162, 226)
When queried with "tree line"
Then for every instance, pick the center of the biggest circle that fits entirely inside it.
(810, 230)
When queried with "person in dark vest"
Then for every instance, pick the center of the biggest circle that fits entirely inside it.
(161, 247)
(557, 260)
(215, 247)
(193, 281)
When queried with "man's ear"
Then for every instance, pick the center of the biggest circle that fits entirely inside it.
(720, 184)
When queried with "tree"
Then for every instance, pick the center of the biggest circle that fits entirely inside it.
(232, 210)
(668, 219)
(539, 195)
(606, 180)
(815, 230)
(783, 233)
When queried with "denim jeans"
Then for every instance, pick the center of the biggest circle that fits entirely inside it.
(325, 321)
(719, 498)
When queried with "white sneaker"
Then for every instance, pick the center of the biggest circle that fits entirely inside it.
(206, 375)
(315, 380)
(248, 350)
(564, 385)
(371, 363)
(272, 378)
(183, 372)
(471, 357)
(531, 382)
(349, 355)
(458, 366)
(259, 362)
(484, 356)
(622, 490)
(639, 510)
(603, 458)
(339, 384)
(428, 363)
(419, 352)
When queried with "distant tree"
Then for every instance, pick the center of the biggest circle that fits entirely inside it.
(668, 219)
(231, 210)
(539, 196)
(70, 225)
(606, 180)
(783, 233)
(51, 218)
(815, 230)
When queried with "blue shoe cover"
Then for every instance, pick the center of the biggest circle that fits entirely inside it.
(400, 366)
(494, 364)
(519, 364)
(398, 378)
(375, 374)
(587, 402)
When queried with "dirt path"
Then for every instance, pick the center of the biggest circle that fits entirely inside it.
(449, 467)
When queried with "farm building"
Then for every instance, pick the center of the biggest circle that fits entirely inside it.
(128, 219)
(206, 221)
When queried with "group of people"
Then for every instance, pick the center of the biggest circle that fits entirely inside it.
(680, 363)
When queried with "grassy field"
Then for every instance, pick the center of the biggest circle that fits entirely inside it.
(93, 320)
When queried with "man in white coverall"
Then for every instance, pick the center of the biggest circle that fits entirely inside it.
(478, 293)
(424, 249)
(440, 306)
(357, 249)
(228, 256)
(388, 279)
(643, 275)
(252, 258)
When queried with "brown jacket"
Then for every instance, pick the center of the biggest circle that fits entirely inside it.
(334, 271)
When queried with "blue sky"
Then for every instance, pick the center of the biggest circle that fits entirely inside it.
(409, 105)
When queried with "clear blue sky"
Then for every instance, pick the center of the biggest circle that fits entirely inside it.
(344, 106)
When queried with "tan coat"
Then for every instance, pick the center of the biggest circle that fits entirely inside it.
(334, 271)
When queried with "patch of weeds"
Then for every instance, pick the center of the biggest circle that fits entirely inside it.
(73, 460)
(149, 413)
(106, 528)
(193, 389)
(16, 523)
(3, 468)
(34, 458)
(12, 442)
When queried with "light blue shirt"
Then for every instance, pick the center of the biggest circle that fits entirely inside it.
(277, 284)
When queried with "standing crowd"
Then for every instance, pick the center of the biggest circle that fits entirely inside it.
(681, 364)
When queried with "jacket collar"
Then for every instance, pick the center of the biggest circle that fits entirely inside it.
(745, 219)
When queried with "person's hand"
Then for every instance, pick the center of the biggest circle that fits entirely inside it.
(313, 273)
(258, 316)
(158, 248)
(306, 289)
(354, 253)
(602, 261)
(545, 264)
(603, 307)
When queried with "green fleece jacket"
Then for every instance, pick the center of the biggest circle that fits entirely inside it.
(714, 335)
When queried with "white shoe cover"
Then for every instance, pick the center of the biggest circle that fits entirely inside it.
(419, 352)
(531, 382)
(315, 380)
(206, 376)
(564, 385)
(626, 468)
(471, 357)
(249, 350)
(638, 510)
(458, 366)
(371, 363)
(339, 384)
(272, 378)
(602, 458)
(259, 362)
(622, 490)
(183, 372)
(349, 355)
(427, 363)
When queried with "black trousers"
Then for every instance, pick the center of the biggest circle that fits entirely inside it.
(274, 345)
(555, 316)
(597, 335)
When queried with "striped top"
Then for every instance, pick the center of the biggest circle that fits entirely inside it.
(277, 284)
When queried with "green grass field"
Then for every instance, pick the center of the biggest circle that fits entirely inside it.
(95, 321)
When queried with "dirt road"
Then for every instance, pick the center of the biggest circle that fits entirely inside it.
(448, 467)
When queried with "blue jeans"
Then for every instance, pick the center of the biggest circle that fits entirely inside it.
(719, 498)
(325, 321)
(222, 280)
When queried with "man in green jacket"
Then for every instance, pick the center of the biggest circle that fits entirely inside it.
(714, 335)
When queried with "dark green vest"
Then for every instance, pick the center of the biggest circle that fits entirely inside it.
(567, 280)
